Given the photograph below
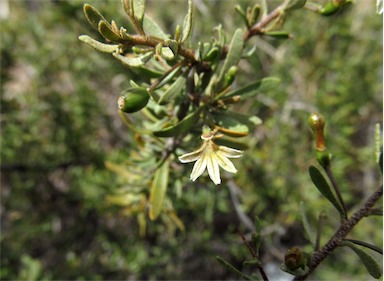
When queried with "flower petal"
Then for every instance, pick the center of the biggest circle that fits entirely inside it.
(198, 168)
(230, 152)
(213, 168)
(189, 157)
(225, 163)
(192, 156)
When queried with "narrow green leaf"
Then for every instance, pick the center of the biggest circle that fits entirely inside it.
(255, 87)
(151, 28)
(92, 15)
(182, 127)
(235, 124)
(106, 48)
(138, 10)
(233, 57)
(232, 142)
(278, 34)
(158, 190)
(366, 245)
(173, 91)
(106, 31)
(134, 61)
(306, 226)
(294, 4)
(187, 24)
(369, 262)
(324, 188)
(232, 268)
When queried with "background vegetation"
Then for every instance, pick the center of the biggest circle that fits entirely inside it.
(59, 126)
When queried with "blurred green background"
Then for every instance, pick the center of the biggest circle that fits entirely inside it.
(59, 125)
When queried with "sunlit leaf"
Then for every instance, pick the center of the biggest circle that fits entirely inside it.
(233, 56)
(92, 15)
(187, 24)
(173, 91)
(138, 10)
(134, 61)
(106, 30)
(369, 262)
(158, 190)
(106, 48)
(324, 188)
(150, 27)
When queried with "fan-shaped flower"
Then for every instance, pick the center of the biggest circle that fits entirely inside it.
(210, 156)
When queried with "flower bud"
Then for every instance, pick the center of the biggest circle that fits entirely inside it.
(230, 76)
(316, 122)
(294, 258)
(132, 100)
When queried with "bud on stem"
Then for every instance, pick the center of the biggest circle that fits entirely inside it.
(317, 122)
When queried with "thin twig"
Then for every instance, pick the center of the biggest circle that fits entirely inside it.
(342, 231)
(258, 264)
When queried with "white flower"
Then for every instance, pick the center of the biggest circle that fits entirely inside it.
(211, 156)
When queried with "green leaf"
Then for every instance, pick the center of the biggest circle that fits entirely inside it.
(138, 10)
(369, 262)
(235, 124)
(158, 190)
(306, 226)
(173, 91)
(256, 236)
(278, 34)
(324, 188)
(167, 53)
(187, 24)
(134, 61)
(151, 28)
(106, 48)
(105, 29)
(232, 142)
(173, 45)
(232, 268)
(92, 15)
(254, 88)
(294, 4)
(182, 127)
(233, 57)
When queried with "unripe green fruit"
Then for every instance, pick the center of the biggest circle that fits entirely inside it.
(132, 100)
(329, 9)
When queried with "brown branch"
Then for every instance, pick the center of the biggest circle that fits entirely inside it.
(258, 263)
(343, 230)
